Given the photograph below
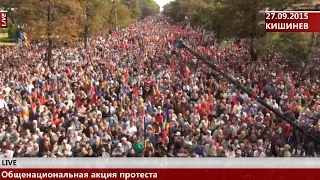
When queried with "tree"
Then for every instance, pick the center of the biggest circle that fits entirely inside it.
(267, 44)
(148, 8)
(231, 18)
(125, 16)
(245, 17)
(134, 7)
(174, 11)
(198, 13)
(294, 49)
(10, 5)
(53, 20)
(94, 21)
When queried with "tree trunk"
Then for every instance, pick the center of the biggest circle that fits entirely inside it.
(49, 51)
(49, 34)
(86, 30)
(253, 33)
(314, 39)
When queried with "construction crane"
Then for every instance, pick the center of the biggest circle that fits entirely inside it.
(180, 44)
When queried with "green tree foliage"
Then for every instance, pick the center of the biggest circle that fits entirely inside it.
(292, 46)
(124, 17)
(242, 19)
(149, 8)
(12, 30)
(192, 9)
(95, 17)
(142, 8)
(267, 44)
(66, 20)
(134, 7)
(120, 14)
(10, 5)
(174, 10)
(53, 20)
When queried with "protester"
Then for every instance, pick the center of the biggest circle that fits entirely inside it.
(133, 93)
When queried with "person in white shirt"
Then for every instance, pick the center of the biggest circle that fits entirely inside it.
(112, 109)
(298, 152)
(65, 146)
(71, 95)
(126, 145)
(236, 109)
(269, 101)
(231, 153)
(2, 133)
(131, 129)
(210, 149)
(195, 117)
(235, 145)
(275, 104)
(7, 90)
(286, 151)
(259, 153)
(30, 87)
(5, 151)
(148, 119)
(118, 151)
(33, 151)
(305, 111)
(3, 103)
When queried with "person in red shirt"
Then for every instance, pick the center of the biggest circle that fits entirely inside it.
(159, 118)
(286, 130)
(56, 119)
(199, 109)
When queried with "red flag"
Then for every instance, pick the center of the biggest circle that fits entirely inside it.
(165, 132)
(92, 90)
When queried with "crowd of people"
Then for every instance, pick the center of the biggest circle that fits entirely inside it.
(132, 93)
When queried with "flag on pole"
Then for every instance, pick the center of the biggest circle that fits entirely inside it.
(25, 38)
(165, 131)
(17, 40)
(27, 44)
(21, 35)
(167, 115)
(145, 126)
(165, 125)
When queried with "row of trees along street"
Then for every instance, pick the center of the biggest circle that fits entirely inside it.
(65, 21)
(244, 19)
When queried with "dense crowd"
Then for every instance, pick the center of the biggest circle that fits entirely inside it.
(132, 93)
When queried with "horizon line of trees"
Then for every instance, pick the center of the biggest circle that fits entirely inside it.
(65, 21)
(244, 19)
